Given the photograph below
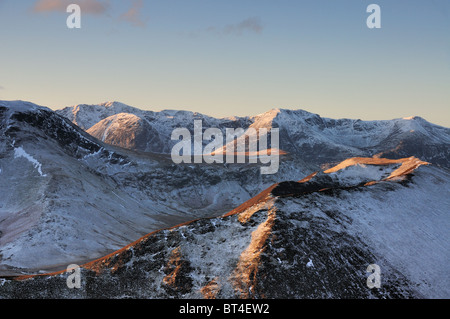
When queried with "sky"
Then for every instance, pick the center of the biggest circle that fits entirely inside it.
(232, 57)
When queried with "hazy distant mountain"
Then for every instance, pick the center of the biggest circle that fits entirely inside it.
(86, 116)
(125, 130)
(310, 137)
(111, 121)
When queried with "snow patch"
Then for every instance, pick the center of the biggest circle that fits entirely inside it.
(20, 152)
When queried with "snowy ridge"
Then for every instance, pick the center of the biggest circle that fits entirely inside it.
(305, 134)
(22, 106)
(310, 242)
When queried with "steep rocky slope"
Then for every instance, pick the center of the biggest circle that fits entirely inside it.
(309, 239)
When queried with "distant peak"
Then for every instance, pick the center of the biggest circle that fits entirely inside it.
(112, 103)
(416, 120)
(276, 110)
(119, 116)
(279, 115)
(300, 112)
(410, 118)
(271, 113)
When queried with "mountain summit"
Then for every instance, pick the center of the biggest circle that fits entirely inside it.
(310, 137)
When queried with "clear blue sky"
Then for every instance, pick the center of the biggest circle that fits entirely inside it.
(232, 57)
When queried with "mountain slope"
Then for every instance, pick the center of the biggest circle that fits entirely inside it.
(54, 207)
(308, 239)
(68, 197)
(124, 129)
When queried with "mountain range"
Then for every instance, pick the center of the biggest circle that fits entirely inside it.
(308, 136)
(79, 184)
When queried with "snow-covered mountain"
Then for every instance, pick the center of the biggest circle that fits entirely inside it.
(312, 138)
(66, 196)
(152, 129)
(376, 193)
(86, 115)
(309, 239)
(54, 204)
(125, 130)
